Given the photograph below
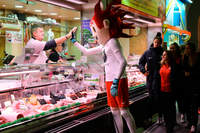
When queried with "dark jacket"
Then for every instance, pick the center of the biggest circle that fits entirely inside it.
(192, 81)
(152, 58)
(177, 77)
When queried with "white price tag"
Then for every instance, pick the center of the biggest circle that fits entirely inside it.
(7, 103)
(13, 97)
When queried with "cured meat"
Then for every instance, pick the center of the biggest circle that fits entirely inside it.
(10, 115)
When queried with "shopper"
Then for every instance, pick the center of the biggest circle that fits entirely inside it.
(149, 64)
(167, 83)
(39, 46)
(191, 64)
(178, 90)
(107, 27)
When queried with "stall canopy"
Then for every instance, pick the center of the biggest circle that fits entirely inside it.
(144, 12)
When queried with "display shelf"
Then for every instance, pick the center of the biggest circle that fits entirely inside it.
(8, 19)
(36, 91)
(52, 94)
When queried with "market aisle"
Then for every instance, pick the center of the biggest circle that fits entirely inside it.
(180, 128)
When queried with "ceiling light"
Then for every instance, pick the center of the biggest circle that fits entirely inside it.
(76, 18)
(18, 6)
(37, 10)
(128, 16)
(78, 1)
(143, 21)
(44, 13)
(4, 5)
(57, 3)
(53, 13)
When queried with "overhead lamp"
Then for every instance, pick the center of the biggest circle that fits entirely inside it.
(143, 21)
(44, 13)
(37, 10)
(19, 6)
(53, 13)
(58, 3)
(76, 18)
(4, 5)
(128, 16)
(78, 1)
(187, 1)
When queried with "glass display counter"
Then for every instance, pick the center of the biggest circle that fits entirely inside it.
(29, 92)
(34, 98)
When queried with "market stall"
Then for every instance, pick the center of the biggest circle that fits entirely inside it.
(42, 96)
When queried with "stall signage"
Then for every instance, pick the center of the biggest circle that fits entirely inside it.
(152, 7)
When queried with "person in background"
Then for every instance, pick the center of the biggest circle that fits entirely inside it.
(55, 55)
(178, 79)
(167, 98)
(191, 66)
(149, 64)
(106, 27)
(39, 46)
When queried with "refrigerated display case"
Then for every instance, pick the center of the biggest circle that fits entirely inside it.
(31, 92)
(56, 97)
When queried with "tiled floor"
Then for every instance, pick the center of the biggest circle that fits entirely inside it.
(180, 128)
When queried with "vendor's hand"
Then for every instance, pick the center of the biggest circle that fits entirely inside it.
(114, 87)
(74, 29)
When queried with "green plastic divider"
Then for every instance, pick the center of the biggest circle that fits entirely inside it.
(38, 115)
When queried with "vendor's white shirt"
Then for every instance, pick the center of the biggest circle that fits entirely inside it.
(39, 56)
(115, 62)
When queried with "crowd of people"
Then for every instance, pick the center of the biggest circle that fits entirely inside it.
(172, 77)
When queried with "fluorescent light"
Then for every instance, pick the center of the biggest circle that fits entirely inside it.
(53, 13)
(77, 1)
(76, 18)
(143, 21)
(18, 6)
(128, 16)
(37, 10)
(44, 13)
(58, 4)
